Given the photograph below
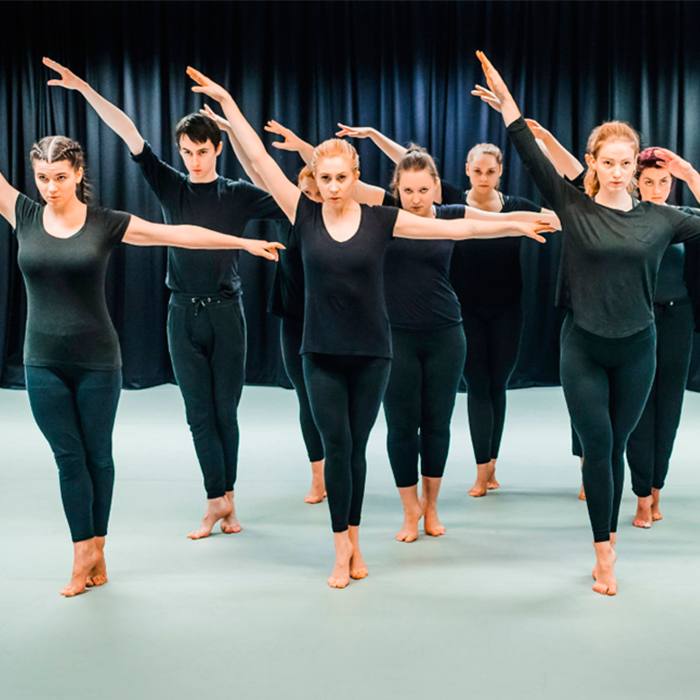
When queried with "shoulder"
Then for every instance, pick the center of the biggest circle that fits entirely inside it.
(390, 201)
(381, 215)
(308, 211)
(26, 209)
(111, 222)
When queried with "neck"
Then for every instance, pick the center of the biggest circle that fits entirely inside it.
(340, 208)
(203, 179)
(478, 199)
(615, 200)
(71, 209)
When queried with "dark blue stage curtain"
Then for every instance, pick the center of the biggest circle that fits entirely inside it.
(406, 68)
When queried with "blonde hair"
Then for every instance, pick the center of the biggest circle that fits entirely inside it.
(415, 159)
(332, 148)
(608, 131)
(305, 174)
(488, 149)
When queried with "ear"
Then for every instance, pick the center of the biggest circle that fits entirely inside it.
(466, 168)
(219, 147)
(79, 175)
(590, 161)
(357, 176)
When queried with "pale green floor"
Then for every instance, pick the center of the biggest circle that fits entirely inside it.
(500, 607)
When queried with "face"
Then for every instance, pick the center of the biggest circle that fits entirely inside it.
(335, 179)
(309, 187)
(655, 185)
(199, 158)
(484, 172)
(57, 181)
(614, 165)
(417, 191)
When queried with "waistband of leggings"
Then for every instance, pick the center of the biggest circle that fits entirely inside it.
(201, 300)
(673, 302)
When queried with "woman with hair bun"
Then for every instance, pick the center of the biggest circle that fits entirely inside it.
(612, 249)
(71, 351)
(346, 346)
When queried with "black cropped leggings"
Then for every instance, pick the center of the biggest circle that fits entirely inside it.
(75, 409)
(493, 344)
(650, 445)
(606, 383)
(207, 342)
(290, 340)
(345, 392)
(420, 399)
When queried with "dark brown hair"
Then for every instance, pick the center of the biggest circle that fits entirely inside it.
(52, 149)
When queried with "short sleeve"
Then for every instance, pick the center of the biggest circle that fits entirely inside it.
(27, 213)
(521, 204)
(305, 209)
(385, 218)
(390, 201)
(578, 182)
(451, 194)
(257, 203)
(450, 211)
(114, 224)
(162, 178)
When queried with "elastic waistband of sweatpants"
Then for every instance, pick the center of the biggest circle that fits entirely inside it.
(202, 300)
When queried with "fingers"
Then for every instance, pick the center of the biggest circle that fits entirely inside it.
(52, 64)
(197, 76)
(273, 127)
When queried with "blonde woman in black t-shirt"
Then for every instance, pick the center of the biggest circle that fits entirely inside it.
(71, 354)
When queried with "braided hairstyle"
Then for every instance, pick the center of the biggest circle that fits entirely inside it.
(52, 149)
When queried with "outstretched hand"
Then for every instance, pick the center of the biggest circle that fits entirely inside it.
(678, 167)
(497, 86)
(222, 123)
(537, 129)
(532, 230)
(291, 141)
(207, 86)
(68, 80)
(264, 249)
(487, 96)
(355, 132)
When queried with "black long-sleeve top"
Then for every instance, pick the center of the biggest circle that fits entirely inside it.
(610, 257)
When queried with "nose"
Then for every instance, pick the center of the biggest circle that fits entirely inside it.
(617, 170)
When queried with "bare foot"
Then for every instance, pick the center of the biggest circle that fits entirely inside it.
(412, 513)
(85, 557)
(582, 494)
(358, 568)
(431, 522)
(217, 508)
(230, 523)
(484, 474)
(604, 570)
(98, 573)
(643, 517)
(492, 483)
(343, 553)
(317, 492)
(655, 498)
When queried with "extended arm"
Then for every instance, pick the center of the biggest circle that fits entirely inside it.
(286, 194)
(681, 169)
(410, 226)
(111, 115)
(545, 216)
(392, 149)
(8, 200)
(146, 233)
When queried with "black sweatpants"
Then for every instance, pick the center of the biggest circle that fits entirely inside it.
(606, 383)
(75, 409)
(207, 341)
(651, 443)
(291, 333)
(420, 399)
(345, 393)
(493, 344)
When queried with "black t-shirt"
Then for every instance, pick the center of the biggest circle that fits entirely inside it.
(486, 273)
(452, 194)
(611, 257)
(287, 293)
(419, 295)
(222, 205)
(67, 318)
(344, 306)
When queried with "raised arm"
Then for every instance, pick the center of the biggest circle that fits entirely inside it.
(681, 169)
(286, 194)
(364, 193)
(411, 226)
(392, 149)
(8, 200)
(111, 115)
(146, 233)
(241, 155)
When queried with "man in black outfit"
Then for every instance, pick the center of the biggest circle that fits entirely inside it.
(206, 324)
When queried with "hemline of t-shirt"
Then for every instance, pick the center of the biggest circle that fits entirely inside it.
(58, 363)
(421, 329)
(353, 353)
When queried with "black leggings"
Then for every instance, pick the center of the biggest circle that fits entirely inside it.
(207, 341)
(420, 398)
(290, 339)
(493, 343)
(650, 445)
(606, 384)
(75, 409)
(345, 392)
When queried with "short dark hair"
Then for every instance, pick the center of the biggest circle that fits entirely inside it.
(199, 129)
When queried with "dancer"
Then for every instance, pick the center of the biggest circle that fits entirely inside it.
(206, 323)
(612, 250)
(287, 299)
(487, 278)
(346, 346)
(71, 352)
